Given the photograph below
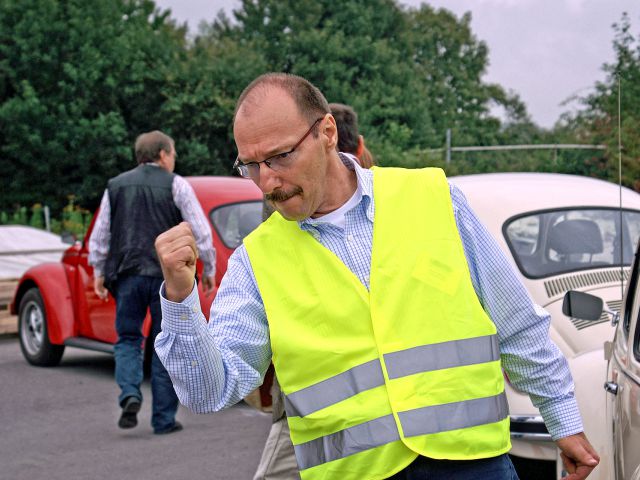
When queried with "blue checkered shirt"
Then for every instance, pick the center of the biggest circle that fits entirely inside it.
(214, 365)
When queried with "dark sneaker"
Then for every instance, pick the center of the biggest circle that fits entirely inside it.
(130, 409)
(176, 427)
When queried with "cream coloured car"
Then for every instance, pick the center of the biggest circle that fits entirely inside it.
(561, 232)
(623, 372)
(623, 384)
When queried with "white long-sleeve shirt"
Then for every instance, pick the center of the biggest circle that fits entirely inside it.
(214, 365)
(185, 199)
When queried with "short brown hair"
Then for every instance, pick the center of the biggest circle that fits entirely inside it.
(347, 123)
(307, 97)
(148, 146)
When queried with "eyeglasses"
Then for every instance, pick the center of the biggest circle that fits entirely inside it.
(278, 162)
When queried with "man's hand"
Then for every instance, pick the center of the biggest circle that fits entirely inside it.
(177, 253)
(98, 287)
(578, 456)
(207, 284)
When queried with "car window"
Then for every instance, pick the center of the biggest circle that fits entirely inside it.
(235, 221)
(553, 242)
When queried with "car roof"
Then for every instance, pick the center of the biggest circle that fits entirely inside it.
(18, 238)
(214, 190)
(509, 194)
(22, 247)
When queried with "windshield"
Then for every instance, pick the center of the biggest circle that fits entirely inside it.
(235, 221)
(559, 241)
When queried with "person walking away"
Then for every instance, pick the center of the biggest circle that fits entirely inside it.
(136, 207)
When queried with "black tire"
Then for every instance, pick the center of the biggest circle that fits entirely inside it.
(33, 332)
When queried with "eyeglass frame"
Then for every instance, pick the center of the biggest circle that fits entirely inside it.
(238, 165)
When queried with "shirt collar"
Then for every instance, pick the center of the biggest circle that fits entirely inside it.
(364, 178)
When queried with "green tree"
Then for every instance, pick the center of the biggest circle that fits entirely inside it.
(78, 82)
(19, 216)
(450, 62)
(200, 99)
(598, 121)
(37, 216)
(410, 73)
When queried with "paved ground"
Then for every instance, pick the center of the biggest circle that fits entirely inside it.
(60, 423)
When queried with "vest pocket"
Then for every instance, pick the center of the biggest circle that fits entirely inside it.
(436, 273)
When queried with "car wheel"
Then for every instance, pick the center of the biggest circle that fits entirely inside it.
(34, 336)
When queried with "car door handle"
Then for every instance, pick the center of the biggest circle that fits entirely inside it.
(611, 387)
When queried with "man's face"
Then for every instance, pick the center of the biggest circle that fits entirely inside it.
(272, 126)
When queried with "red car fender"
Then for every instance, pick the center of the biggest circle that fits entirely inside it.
(52, 281)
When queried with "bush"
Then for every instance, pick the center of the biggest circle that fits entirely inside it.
(72, 219)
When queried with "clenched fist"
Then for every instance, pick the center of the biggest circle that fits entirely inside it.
(177, 253)
(578, 456)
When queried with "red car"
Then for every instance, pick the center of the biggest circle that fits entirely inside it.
(56, 304)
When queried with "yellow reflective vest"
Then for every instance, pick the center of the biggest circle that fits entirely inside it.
(372, 379)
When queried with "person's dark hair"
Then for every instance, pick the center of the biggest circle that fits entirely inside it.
(148, 146)
(307, 97)
(347, 123)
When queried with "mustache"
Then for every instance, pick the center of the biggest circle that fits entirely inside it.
(280, 195)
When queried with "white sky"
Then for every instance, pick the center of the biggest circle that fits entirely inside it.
(544, 50)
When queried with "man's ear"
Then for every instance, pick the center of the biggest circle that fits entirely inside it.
(162, 158)
(360, 147)
(330, 131)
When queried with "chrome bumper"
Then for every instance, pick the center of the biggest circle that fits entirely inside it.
(529, 427)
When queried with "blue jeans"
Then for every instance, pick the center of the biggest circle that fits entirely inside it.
(133, 295)
(494, 468)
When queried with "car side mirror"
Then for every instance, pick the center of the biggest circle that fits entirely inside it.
(582, 305)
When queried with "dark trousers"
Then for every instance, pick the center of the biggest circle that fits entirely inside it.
(494, 468)
(133, 295)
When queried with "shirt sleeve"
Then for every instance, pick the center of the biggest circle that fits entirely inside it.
(100, 237)
(216, 364)
(533, 363)
(186, 201)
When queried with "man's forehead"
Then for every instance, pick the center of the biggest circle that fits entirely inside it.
(267, 104)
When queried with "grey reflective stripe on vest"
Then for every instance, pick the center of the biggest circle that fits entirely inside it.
(334, 389)
(383, 430)
(452, 416)
(426, 358)
(438, 356)
(347, 442)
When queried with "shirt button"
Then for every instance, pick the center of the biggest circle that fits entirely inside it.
(183, 317)
(350, 238)
(194, 363)
(194, 309)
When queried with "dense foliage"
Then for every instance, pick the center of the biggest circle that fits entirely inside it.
(598, 121)
(410, 73)
(78, 83)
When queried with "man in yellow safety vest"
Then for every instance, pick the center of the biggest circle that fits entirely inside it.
(387, 308)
